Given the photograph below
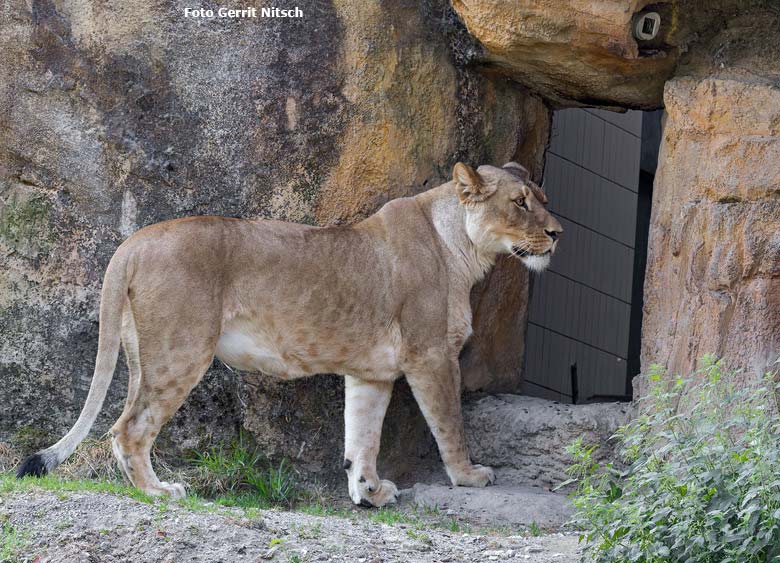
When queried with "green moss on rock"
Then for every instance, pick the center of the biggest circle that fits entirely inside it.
(24, 225)
(29, 439)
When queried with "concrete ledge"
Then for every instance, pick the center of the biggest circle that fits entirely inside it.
(524, 438)
(494, 506)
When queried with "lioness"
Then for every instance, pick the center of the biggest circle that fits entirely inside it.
(386, 297)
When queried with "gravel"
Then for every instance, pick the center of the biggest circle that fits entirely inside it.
(98, 527)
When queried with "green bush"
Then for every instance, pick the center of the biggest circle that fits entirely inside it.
(698, 479)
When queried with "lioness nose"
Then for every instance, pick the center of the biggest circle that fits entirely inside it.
(553, 234)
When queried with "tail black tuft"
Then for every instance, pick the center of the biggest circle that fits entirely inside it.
(33, 465)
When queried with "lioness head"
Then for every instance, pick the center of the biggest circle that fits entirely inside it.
(505, 213)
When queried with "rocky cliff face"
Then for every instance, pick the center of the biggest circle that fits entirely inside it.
(713, 272)
(576, 52)
(115, 115)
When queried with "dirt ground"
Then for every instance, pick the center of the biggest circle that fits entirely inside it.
(42, 526)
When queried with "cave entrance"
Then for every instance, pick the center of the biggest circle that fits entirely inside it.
(585, 316)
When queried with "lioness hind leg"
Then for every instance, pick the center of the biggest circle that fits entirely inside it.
(135, 431)
(132, 356)
(166, 379)
(365, 404)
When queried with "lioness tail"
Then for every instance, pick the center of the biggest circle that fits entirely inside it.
(112, 301)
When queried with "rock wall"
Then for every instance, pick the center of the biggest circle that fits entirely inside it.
(713, 271)
(525, 438)
(576, 52)
(114, 117)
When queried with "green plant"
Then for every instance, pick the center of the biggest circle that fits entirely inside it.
(391, 515)
(61, 487)
(419, 536)
(275, 484)
(458, 527)
(225, 470)
(12, 542)
(698, 479)
(238, 475)
(535, 530)
(308, 533)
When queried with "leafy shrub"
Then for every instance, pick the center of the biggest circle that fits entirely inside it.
(238, 471)
(698, 480)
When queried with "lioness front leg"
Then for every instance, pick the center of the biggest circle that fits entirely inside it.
(365, 404)
(436, 387)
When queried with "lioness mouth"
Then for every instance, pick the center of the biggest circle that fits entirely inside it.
(533, 261)
(521, 253)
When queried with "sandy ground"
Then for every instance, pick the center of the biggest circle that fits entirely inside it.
(98, 527)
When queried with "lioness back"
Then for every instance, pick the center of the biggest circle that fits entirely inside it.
(294, 300)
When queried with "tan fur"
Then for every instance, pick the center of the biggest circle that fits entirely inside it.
(386, 297)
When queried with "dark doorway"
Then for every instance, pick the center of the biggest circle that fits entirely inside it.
(585, 317)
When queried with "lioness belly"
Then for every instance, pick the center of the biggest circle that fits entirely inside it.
(257, 350)
(247, 352)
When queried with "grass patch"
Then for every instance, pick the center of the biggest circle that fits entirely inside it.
(232, 477)
(12, 542)
(55, 483)
(535, 530)
(235, 475)
(392, 516)
(249, 504)
(320, 509)
(239, 475)
(419, 536)
(454, 525)
(221, 480)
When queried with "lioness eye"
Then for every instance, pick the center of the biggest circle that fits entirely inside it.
(521, 204)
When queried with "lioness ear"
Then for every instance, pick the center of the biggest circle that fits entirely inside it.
(517, 170)
(522, 173)
(471, 186)
(538, 193)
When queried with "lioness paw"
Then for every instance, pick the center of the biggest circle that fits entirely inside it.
(386, 493)
(173, 490)
(474, 476)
